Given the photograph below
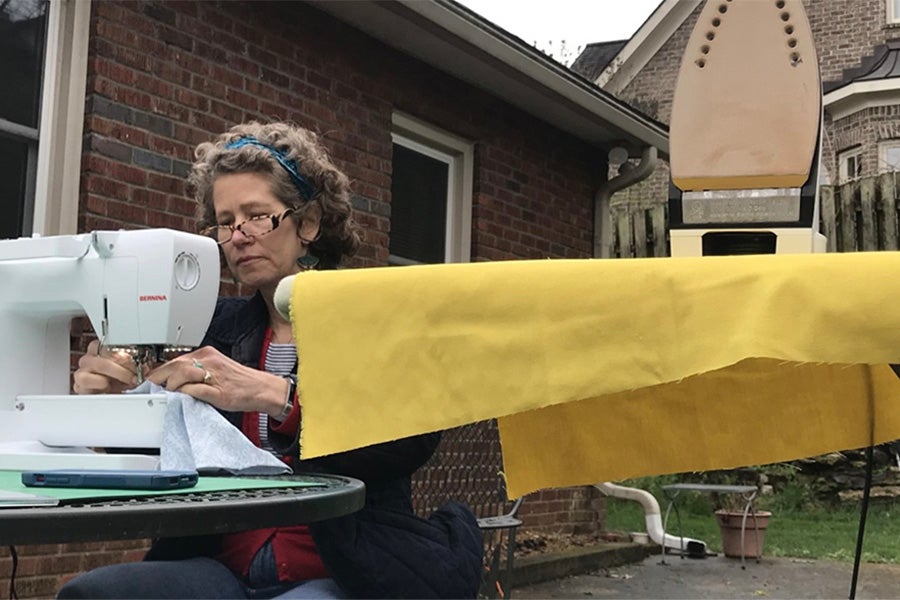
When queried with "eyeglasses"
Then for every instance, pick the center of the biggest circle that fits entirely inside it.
(252, 227)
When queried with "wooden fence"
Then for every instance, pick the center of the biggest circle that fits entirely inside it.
(858, 216)
(639, 231)
(861, 215)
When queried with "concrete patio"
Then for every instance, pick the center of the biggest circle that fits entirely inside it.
(629, 571)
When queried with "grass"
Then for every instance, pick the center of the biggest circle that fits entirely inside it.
(795, 530)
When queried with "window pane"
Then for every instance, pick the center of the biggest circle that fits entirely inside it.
(850, 165)
(13, 169)
(22, 30)
(891, 158)
(418, 206)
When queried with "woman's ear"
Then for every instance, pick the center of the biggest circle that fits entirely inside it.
(309, 228)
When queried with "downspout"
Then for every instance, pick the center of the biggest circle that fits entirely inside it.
(653, 521)
(625, 178)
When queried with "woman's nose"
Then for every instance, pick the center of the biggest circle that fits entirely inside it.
(238, 237)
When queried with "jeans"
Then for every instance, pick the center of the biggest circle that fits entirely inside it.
(195, 578)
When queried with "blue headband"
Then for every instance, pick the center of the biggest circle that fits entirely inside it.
(306, 190)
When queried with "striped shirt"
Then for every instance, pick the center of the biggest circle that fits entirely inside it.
(280, 360)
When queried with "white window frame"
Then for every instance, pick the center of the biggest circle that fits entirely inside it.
(843, 172)
(459, 154)
(58, 172)
(883, 147)
(893, 12)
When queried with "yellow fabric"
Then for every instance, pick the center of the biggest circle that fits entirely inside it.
(757, 412)
(391, 352)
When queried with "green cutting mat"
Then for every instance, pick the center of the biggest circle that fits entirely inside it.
(12, 481)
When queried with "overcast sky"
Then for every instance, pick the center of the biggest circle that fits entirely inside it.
(548, 23)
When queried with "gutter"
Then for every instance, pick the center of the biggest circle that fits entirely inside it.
(625, 178)
(539, 68)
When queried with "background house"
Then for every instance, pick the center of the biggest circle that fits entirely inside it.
(104, 102)
(857, 46)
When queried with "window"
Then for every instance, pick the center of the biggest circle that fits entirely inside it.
(849, 165)
(23, 26)
(893, 11)
(431, 195)
(889, 156)
(43, 64)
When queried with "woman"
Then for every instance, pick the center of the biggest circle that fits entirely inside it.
(276, 205)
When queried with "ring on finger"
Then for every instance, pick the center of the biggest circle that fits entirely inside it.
(198, 364)
(207, 377)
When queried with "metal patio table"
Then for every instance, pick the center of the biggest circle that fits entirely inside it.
(183, 514)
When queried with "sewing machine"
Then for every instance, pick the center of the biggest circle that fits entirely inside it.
(143, 291)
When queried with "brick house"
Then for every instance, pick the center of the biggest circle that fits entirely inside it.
(105, 100)
(857, 47)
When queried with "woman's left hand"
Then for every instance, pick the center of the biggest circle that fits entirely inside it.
(210, 376)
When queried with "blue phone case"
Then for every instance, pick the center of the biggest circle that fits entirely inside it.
(110, 479)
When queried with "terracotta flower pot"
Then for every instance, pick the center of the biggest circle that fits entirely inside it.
(730, 526)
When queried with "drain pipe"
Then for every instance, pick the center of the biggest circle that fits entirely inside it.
(652, 519)
(625, 178)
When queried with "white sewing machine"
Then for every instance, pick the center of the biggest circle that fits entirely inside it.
(144, 290)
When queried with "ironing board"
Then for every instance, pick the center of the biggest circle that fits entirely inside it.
(601, 370)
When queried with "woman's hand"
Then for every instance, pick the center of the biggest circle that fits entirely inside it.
(210, 376)
(104, 372)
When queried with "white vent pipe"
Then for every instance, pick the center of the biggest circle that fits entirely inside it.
(652, 518)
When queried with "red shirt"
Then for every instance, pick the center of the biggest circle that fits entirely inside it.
(295, 552)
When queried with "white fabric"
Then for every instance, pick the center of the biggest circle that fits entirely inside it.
(197, 436)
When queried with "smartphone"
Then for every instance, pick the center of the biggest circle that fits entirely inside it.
(110, 479)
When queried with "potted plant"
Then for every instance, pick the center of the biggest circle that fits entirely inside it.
(754, 535)
(730, 518)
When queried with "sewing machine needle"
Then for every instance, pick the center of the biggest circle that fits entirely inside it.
(137, 368)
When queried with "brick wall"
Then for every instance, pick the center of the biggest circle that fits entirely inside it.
(845, 32)
(43, 568)
(163, 76)
(865, 129)
(566, 510)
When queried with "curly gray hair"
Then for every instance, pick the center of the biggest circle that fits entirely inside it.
(339, 234)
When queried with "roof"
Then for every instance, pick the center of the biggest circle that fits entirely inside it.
(459, 42)
(650, 37)
(875, 82)
(594, 58)
(883, 64)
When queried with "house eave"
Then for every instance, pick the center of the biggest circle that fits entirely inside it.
(453, 39)
(861, 95)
